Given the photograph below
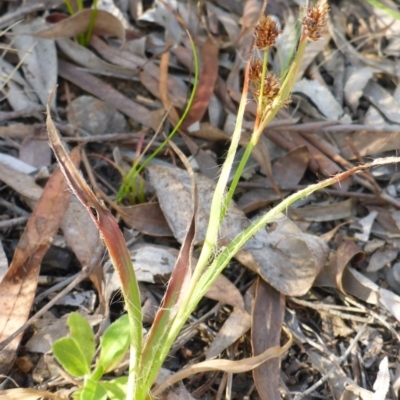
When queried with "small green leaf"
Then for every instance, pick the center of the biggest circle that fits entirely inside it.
(116, 388)
(82, 332)
(114, 344)
(69, 354)
(77, 395)
(97, 373)
(93, 391)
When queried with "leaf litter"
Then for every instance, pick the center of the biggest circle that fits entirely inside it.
(331, 260)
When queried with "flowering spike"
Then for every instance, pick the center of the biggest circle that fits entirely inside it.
(255, 71)
(265, 32)
(315, 20)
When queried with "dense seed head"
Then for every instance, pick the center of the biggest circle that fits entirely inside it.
(255, 71)
(315, 20)
(265, 32)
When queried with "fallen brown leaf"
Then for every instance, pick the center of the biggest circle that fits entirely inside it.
(267, 319)
(146, 218)
(78, 23)
(18, 287)
(208, 78)
(104, 92)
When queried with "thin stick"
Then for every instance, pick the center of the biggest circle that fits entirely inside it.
(332, 370)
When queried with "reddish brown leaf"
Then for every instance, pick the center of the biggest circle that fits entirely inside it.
(19, 284)
(146, 218)
(180, 278)
(268, 313)
(163, 87)
(208, 78)
(332, 273)
(104, 92)
(79, 23)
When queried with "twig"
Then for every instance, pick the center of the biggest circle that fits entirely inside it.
(325, 377)
(9, 223)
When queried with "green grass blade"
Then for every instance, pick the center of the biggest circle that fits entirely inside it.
(135, 171)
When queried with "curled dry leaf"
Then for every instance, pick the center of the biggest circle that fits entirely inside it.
(234, 367)
(332, 273)
(105, 23)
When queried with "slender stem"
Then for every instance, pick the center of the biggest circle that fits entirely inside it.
(91, 23)
(209, 242)
(69, 7)
(261, 94)
(134, 172)
(251, 144)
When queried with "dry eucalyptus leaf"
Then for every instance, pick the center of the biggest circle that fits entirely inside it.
(381, 258)
(382, 100)
(3, 262)
(356, 81)
(173, 188)
(321, 97)
(287, 258)
(40, 66)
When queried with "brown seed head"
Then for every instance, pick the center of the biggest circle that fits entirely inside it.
(271, 88)
(265, 32)
(255, 71)
(315, 20)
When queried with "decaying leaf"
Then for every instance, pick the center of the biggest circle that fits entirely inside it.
(40, 65)
(78, 23)
(285, 257)
(18, 287)
(267, 320)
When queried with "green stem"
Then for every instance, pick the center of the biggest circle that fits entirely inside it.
(133, 173)
(270, 114)
(69, 7)
(251, 144)
(209, 242)
(91, 23)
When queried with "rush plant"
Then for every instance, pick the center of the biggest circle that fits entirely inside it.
(185, 289)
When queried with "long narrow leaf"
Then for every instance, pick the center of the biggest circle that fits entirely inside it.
(113, 239)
